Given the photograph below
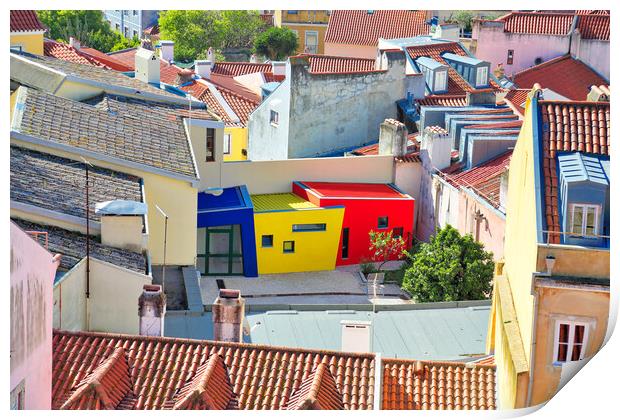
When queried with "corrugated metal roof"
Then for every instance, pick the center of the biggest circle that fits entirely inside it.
(284, 201)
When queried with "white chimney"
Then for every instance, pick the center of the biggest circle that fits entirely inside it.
(151, 310)
(147, 66)
(392, 138)
(74, 43)
(122, 224)
(228, 312)
(210, 55)
(167, 50)
(253, 58)
(356, 336)
(203, 68)
(438, 145)
(278, 68)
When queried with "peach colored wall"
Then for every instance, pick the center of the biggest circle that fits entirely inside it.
(492, 225)
(345, 50)
(32, 277)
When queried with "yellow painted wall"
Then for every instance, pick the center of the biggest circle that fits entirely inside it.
(314, 251)
(32, 43)
(70, 300)
(302, 21)
(238, 142)
(554, 302)
(176, 197)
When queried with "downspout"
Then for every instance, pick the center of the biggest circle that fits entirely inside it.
(378, 397)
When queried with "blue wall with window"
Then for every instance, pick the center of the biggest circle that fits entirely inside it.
(131, 22)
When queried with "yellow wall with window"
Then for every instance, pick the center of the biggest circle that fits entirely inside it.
(31, 43)
(238, 143)
(313, 250)
(304, 21)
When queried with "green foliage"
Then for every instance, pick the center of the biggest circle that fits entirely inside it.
(194, 31)
(450, 267)
(384, 246)
(276, 43)
(87, 26)
(367, 267)
(464, 18)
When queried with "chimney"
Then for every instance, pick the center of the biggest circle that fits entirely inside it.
(167, 51)
(74, 43)
(437, 143)
(356, 336)
(253, 58)
(210, 55)
(203, 68)
(122, 224)
(392, 138)
(228, 312)
(151, 310)
(147, 66)
(278, 68)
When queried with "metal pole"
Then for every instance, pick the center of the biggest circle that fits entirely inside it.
(163, 274)
(87, 237)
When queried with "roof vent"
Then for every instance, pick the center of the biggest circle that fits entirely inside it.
(356, 336)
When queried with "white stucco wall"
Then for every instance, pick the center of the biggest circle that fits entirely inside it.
(32, 277)
(595, 53)
(408, 177)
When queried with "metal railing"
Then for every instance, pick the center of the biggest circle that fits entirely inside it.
(553, 236)
(37, 235)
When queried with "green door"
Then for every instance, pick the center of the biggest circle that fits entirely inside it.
(219, 251)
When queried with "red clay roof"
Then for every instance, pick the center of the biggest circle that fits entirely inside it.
(240, 68)
(443, 100)
(457, 86)
(127, 57)
(485, 178)
(325, 64)
(516, 98)
(358, 27)
(160, 370)
(84, 55)
(317, 392)
(25, 21)
(410, 385)
(569, 127)
(538, 23)
(594, 27)
(565, 75)
(350, 189)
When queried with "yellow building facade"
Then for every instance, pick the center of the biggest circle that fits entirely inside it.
(294, 235)
(309, 26)
(237, 138)
(30, 42)
(539, 288)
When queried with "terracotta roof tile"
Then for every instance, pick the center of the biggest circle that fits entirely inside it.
(25, 21)
(415, 385)
(240, 68)
(325, 64)
(84, 55)
(570, 127)
(262, 377)
(359, 27)
(443, 100)
(594, 27)
(538, 23)
(127, 56)
(516, 99)
(317, 392)
(565, 75)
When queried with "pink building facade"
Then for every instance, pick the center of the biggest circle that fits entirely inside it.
(33, 270)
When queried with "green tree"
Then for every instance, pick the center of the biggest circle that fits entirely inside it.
(464, 18)
(384, 246)
(87, 26)
(240, 28)
(276, 43)
(450, 267)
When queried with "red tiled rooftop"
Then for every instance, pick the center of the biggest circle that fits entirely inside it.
(564, 75)
(162, 370)
(443, 100)
(411, 385)
(317, 392)
(25, 21)
(84, 55)
(516, 99)
(358, 27)
(594, 27)
(325, 64)
(240, 68)
(569, 127)
(127, 57)
(538, 23)
(353, 190)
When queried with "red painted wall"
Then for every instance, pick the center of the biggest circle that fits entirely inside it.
(361, 216)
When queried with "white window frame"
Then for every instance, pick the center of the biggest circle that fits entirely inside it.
(444, 80)
(584, 218)
(227, 143)
(312, 49)
(571, 338)
(482, 81)
(274, 121)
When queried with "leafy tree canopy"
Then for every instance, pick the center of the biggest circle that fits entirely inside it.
(450, 267)
(276, 43)
(194, 31)
(464, 18)
(87, 26)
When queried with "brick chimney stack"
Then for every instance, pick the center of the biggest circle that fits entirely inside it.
(392, 138)
(228, 312)
(151, 310)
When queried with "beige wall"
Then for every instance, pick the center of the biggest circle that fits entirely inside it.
(576, 261)
(123, 232)
(554, 303)
(344, 50)
(70, 300)
(491, 228)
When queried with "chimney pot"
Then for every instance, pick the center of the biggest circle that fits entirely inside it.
(392, 138)
(228, 312)
(151, 310)
(203, 68)
(167, 51)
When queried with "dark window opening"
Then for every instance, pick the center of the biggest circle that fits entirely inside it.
(382, 222)
(267, 241)
(288, 247)
(345, 243)
(310, 227)
(397, 232)
(510, 57)
(210, 145)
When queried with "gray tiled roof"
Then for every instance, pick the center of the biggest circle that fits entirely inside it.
(29, 77)
(72, 246)
(55, 183)
(130, 134)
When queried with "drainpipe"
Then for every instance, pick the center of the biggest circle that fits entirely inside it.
(571, 32)
(377, 401)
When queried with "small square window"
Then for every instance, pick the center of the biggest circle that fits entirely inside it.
(397, 232)
(274, 117)
(288, 247)
(267, 241)
(382, 222)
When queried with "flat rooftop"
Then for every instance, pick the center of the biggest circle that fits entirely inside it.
(231, 198)
(354, 190)
(280, 202)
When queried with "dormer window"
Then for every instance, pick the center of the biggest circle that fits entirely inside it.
(441, 80)
(435, 74)
(482, 76)
(584, 219)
